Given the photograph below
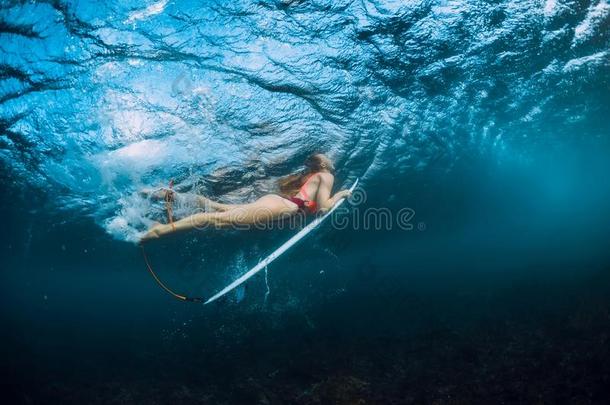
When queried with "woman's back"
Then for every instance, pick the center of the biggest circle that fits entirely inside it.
(309, 189)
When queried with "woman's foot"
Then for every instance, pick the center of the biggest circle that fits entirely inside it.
(157, 194)
(154, 232)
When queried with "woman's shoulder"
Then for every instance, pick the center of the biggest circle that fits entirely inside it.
(325, 177)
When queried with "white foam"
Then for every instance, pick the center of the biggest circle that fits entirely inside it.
(119, 228)
(153, 9)
(550, 8)
(130, 221)
(147, 149)
(594, 19)
(578, 63)
(448, 7)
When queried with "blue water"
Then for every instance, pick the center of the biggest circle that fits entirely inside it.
(486, 121)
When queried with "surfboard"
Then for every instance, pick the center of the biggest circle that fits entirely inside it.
(279, 251)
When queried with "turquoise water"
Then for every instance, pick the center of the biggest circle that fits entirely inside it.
(479, 128)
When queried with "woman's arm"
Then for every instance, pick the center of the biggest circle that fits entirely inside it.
(323, 198)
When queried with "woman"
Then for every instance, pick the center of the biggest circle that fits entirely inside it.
(309, 192)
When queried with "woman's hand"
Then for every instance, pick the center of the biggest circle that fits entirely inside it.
(343, 194)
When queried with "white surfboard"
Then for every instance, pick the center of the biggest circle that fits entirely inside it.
(287, 245)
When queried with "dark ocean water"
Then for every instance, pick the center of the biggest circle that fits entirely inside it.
(486, 122)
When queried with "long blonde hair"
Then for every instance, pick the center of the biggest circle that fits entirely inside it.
(290, 185)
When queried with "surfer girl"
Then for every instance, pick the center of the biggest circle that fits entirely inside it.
(308, 191)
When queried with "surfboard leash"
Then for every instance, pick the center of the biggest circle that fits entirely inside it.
(166, 288)
(169, 198)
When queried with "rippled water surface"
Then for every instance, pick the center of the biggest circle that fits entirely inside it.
(486, 119)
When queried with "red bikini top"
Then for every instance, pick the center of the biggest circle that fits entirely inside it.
(311, 205)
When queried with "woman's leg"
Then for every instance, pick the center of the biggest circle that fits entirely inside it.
(206, 203)
(261, 212)
(198, 200)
